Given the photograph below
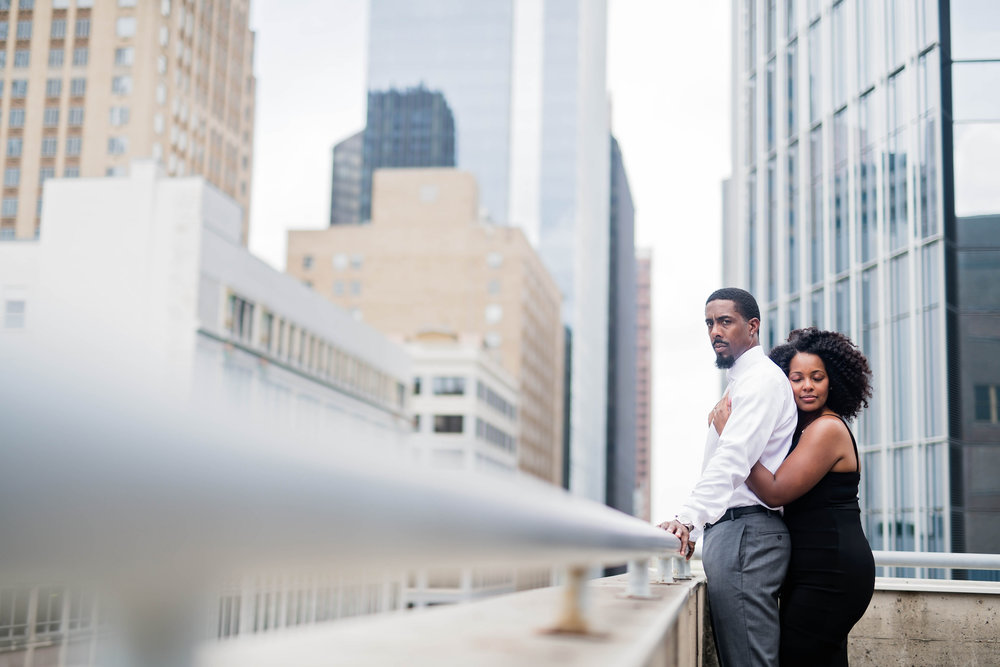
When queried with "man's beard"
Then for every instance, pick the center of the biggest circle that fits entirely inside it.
(724, 362)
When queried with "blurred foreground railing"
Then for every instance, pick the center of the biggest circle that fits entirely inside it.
(153, 501)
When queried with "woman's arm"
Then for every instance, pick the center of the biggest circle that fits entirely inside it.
(822, 445)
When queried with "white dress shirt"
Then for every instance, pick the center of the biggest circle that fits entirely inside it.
(760, 428)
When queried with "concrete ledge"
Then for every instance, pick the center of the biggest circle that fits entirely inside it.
(507, 630)
(929, 622)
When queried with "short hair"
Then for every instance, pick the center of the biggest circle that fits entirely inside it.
(746, 305)
(846, 367)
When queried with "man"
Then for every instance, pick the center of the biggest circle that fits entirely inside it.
(746, 547)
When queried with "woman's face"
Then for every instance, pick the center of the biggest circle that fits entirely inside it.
(810, 383)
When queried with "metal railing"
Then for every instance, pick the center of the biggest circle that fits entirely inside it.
(937, 560)
(154, 499)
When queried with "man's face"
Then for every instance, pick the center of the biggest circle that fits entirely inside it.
(729, 333)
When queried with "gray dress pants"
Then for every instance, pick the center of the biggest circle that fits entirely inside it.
(745, 560)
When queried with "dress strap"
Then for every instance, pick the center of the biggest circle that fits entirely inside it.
(857, 457)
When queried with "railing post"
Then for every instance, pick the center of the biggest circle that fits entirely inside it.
(665, 570)
(682, 568)
(571, 619)
(638, 579)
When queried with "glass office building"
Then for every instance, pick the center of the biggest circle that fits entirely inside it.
(864, 198)
(526, 82)
(404, 128)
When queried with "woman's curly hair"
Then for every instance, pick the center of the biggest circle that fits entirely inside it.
(847, 368)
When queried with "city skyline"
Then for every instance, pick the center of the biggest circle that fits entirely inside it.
(678, 199)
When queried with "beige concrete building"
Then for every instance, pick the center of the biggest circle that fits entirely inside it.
(87, 85)
(427, 263)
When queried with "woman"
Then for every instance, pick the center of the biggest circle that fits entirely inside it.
(831, 574)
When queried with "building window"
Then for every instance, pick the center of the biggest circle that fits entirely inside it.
(8, 208)
(357, 261)
(26, 5)
(56, 57)
(53, 87)
(117, 145)
(4, 29)
(125, 26)
(338, 287)
(13, 313)
(986, 403)
(45, 173)
(71, 172)
(49, 146)
(11, 177)
(16, 118)
(494, 313)
(448, 423)
(7, 232)
(355, 287)
(19, 88)
(14, 146)
(81, 55)
(448, 386)
(124, 56)
(416, 386)
(22, 58)
(58, 29)
(494, 260)
(82, 28)
(24, 30)
(307, 262)
(73, 147)
(121, 85)
(3, 58)
(78, 87)
(239, 318)
(119, 116)
(75, 116)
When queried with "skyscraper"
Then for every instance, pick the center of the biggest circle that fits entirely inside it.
(405, 128)
(865, 200)
(644, 382)
(526, 83)
(345, 188)
(621, 439)
(95, 83)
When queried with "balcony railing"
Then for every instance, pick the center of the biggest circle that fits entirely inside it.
(154, 502)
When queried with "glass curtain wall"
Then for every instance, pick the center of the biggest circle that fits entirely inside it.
(844, 217)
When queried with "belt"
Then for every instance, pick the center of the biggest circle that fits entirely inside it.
(737, 512)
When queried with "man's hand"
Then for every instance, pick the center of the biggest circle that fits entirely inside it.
(683, 533)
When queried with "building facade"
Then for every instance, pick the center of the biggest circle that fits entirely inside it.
(345, 186)
(149, 273)
(526, 83)
(427, 263)
(620, 480)
(465, 406)
(862, 153)
(91, 84)
(643, 382)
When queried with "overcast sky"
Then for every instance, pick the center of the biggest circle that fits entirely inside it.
(668, 79)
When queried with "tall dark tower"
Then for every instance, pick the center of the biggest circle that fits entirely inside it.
(410, 128)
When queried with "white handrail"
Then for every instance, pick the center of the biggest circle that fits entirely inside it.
(937, 560)
(112, 479)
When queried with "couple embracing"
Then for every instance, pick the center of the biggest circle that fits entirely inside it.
(782, 588)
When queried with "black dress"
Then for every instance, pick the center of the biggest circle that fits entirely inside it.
(831, 574)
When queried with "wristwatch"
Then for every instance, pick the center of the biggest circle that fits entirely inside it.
(684, 521)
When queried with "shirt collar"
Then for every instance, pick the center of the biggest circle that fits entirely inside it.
(745, 361)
